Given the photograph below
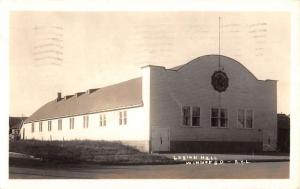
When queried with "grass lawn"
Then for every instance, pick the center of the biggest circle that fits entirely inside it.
(72, 152)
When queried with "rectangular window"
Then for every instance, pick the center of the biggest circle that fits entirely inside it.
(223, 118)
(241, 118)
(32, 127)
(186, 115)
(71, 123)
(60, 124)
(120, 118)
(40, 126)
(214, 117)
(249, 119)
(245, 119)
(49, 125)
(123, 118)
(85, 121)
(196, 116)
(219, 117)
(102, 120)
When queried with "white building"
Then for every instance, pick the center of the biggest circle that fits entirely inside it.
(211, 104)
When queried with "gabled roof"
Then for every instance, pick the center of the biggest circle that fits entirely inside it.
(121, 95)
(212, 56)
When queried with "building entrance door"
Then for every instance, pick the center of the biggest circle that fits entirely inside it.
(160, 140)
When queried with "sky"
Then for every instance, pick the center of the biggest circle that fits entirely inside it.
(70, 52)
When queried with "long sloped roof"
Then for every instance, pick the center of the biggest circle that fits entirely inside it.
(125, 94)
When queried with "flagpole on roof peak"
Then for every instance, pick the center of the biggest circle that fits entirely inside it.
(219, 42)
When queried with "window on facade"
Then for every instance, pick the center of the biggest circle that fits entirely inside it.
(249, 119)
(223, 118)
(40, 126)
(85, 121)
(49, 125)
(32, 127)
(71, 120)
(214, 117)
(102, 120)
(219, 117)
(60, 124)
(123, 118)
(241, 118)
(196, 116)
(186, 115)
(245, 118)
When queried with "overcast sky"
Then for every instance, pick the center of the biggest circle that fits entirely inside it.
(74, 51)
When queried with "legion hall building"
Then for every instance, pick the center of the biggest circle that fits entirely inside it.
(210, 104)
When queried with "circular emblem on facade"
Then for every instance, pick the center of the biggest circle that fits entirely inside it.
(219, 81)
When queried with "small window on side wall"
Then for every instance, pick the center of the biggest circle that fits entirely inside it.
(60, 124)
(41, 126)
(32, 127)
(49, 125)
(71, 123)
(85, 121)
(120, 118)
(123, 118)
(102, 120)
